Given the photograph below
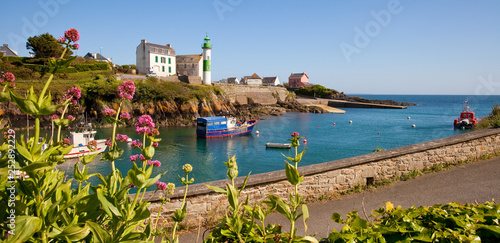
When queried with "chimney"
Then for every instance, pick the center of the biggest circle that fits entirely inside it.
(168, 46)
(6, 45)
(143, 41)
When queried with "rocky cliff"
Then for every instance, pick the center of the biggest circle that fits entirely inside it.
(239, 101)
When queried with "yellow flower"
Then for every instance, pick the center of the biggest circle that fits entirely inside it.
(389, 206)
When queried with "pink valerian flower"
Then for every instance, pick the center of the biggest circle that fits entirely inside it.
(9, 77)
(134, 157)
(121, 138)
(144, 125)
(136, 144)
(125, 116)
(76, 46)
(62, 39)
(108, 142)
(74, 94)
(72, 35)
(66, 142)
(92, 146)
(13, 85)
(155, 145)
(131, 185)
(154, 132)
(154, 163)
(71, 117)
(109, 112)
(295, 134)
(141, 157)
(161, 185)
(126, 90)
(54, 117)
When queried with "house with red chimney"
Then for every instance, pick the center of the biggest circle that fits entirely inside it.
(298, 80)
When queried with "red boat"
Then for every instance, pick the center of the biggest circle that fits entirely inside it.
(467, 118)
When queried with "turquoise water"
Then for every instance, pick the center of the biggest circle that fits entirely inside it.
(385, 128)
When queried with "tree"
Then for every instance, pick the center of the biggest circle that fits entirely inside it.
(46, 46)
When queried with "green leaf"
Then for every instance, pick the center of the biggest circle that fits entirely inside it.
(74, 232)
(148, 152)
(25, 105)
(29, 225)
(309, 239)
(305, 215)
(142, 212)
(24, 152)
(217, 189)
(4, 96)
(136, 176)
(88, 158)
(99, 234)
(337, 218)
(106, 205)
(292, 174)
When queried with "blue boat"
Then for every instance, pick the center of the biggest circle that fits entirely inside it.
(219, 126)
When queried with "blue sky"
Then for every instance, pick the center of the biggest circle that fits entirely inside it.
(361, 47)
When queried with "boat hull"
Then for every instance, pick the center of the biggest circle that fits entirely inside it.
(237, 131)
(278, 145)
(79, 151)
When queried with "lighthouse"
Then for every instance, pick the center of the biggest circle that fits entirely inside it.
(207, 53)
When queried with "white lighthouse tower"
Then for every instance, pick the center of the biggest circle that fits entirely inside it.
(207, 53)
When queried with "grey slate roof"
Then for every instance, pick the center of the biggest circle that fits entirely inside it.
(188, 58)
(7, 51)
(269, 80)
(297, 75)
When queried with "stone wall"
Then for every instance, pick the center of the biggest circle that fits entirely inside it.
(334, 177)
(244, 94)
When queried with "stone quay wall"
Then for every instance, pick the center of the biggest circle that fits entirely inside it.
(333, 177)
(246, 94)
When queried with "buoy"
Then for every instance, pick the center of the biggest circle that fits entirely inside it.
(378, 132)
(413, 125)
(334, 124)
(304, 141)
(409, 118)
(318, 125)
(350, 121)
(257, 132)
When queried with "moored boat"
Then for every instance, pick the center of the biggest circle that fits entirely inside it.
(278, 145)
(80, 141)
(219, 126)
(467, 119)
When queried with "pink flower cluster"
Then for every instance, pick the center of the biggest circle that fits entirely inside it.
(74, 94)
(125, 116)
(126, 90)
(72, 35)
(161, 185)
(8, 77)
(295, 134)
(66, 142)
(136, 144)
(121, 138)
(54, 117)
(145, 125)
(154, 163)
(109, 112)
(92, 146)
(140, 156)
(108, 142)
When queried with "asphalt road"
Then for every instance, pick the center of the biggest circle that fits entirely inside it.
(476, 182)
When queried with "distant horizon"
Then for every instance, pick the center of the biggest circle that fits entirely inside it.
(386, 46)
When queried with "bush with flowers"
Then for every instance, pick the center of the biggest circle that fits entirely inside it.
(38, 198)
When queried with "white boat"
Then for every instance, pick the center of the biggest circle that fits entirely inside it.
(278, 145)
(80, 140)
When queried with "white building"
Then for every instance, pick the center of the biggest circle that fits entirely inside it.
(7, 52)
(270, 81)
(233, 80)
(253, 80)
(155, 58)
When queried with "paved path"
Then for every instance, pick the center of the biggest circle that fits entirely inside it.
(476, 182)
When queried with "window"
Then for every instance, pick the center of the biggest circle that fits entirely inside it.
(156, 58)
(163, 68)
(185, 65)
(156, 49)
(169, 69)
(169, 60)
(193, 65)
(162, 51)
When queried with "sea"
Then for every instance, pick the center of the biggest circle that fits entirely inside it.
(329, 137)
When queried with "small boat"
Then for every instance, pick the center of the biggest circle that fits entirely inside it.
(467, 119)
(80, 140)
(278, 145)
(219, 126)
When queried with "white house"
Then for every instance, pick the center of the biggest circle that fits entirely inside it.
(7, 52)
(270, 81)
(97, 57)
(155, 58)
(253, 80)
